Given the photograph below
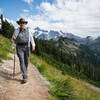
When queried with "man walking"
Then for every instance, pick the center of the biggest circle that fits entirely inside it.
(21, 39)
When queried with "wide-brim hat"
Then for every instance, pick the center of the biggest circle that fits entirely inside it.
(21, 20)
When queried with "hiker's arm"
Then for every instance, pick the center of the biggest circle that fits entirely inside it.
(32, 41)
(14, 38)
(15, 34)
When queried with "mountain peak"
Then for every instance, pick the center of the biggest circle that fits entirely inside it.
(39, 29)
(97, 39)
(46, 35)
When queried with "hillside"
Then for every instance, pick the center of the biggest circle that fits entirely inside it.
(5, 47)
(81, 90)
(76, 59)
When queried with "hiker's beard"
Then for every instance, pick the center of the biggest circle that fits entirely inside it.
(22, 26)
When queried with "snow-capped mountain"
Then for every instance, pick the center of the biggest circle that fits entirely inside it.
(92, 43)
(46, 35)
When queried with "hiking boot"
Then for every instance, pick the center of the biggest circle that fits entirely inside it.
(24, 81)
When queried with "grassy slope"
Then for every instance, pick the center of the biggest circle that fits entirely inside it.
(83, 92)
(48, 71)
(5, 47)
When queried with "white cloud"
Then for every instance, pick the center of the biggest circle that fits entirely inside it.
(29, 1)
(80, 17)
(25, 11)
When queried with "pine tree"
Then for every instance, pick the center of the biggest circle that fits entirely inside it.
(7, 28)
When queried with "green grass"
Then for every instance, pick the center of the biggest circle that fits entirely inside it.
(5, 48)
(66, 69)
(60, 87)
(82, 91)
(63, 87)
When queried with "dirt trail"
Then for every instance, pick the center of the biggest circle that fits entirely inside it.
(12, 89)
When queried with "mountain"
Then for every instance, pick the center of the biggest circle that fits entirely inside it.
(67, 45)
(75, 48)
(70, 48)
(93, 44)
(70, 35)
(46, 35)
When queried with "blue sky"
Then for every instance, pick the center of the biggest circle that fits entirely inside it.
(13, 8)
(80, 17)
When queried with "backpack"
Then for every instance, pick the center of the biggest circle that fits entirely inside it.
(23, 36)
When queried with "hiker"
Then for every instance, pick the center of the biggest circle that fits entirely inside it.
(22, 38)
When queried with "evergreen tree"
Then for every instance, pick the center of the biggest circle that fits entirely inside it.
(7, 28)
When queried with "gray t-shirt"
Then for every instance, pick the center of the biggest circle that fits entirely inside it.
(25, 31)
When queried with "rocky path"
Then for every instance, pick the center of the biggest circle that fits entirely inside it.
(12, 89)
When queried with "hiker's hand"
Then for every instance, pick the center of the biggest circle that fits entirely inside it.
(14, 37)
(33, 48)
(13, 48)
